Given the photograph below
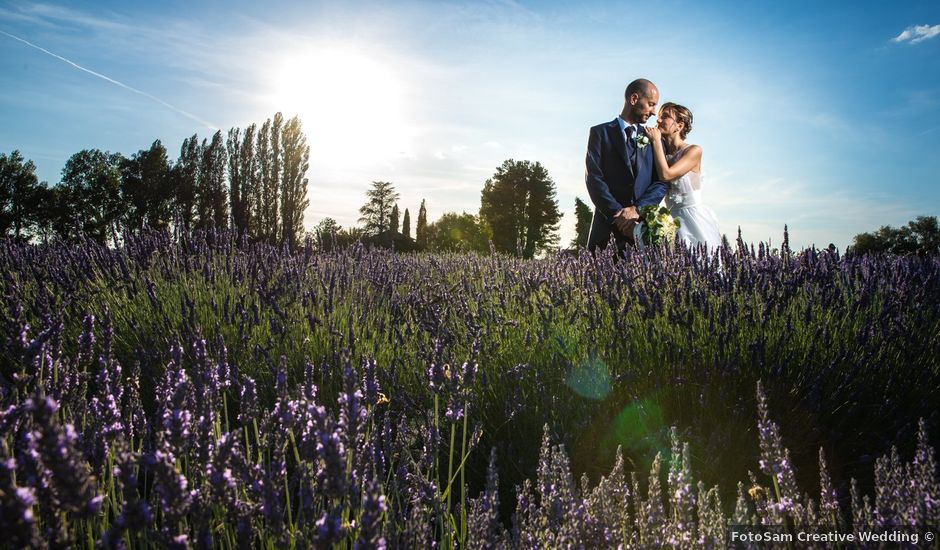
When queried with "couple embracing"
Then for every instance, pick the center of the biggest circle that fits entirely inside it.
(630, 166)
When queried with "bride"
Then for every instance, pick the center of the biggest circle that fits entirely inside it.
(680, 164)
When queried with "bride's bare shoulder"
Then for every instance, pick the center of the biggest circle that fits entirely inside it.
(693, 151)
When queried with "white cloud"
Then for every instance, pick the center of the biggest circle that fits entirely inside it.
(918, 33)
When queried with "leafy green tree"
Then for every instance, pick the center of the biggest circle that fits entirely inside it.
(583, 217)
(46, 212)
(394, 224)
(22, 197)
(406, 225)
(268, 167)
(236, 180)
(250, 183)
(295, 157)
(147, 188)
(920, 236)
(348, 236)
(421, 228)
(90, 195)
(211, 197)
(326, 233)
(926, 233)
(454, 232)
(518, 205)
(269, 163)
(377, 211)
(185, 178)
(260, 199)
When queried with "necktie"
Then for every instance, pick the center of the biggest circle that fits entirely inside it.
(631, 143)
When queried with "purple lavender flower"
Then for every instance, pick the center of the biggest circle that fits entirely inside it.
(171, 487)
(775, 462)
(64, 473)
(352, 413)
(332, 478)
(249, 401)
(176, 416)
(329, 529)
(484, 528)
(135, 514)
(370, 526)
(370, 382)
(437, 376)
(280, 377)
(106, 412)
(17, 519)
(86, 341)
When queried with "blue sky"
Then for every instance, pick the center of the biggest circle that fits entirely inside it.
(823, 117)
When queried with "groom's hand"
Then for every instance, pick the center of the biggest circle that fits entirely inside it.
(625, 219)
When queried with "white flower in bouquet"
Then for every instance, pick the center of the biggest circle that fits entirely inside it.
(669, 226)
(642, 140)
(657, 226)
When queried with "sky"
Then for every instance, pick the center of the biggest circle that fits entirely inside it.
(822, 116)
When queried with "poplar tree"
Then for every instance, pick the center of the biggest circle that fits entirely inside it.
(406, 225)
(394, 224)
(185, 176)
(295, 157)
(421, 227)
(211, 198)
(235, 179)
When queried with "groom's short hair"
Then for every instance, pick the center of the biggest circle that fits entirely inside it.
(641, 87)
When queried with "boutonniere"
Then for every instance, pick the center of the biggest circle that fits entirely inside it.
(642, 140)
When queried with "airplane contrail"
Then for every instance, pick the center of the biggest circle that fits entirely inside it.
(112, 81)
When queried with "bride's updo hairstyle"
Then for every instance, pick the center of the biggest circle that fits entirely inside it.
(680, 114)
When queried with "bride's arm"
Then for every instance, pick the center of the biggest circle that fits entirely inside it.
(689, 160)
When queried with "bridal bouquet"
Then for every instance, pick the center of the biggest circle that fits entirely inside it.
(656, 227)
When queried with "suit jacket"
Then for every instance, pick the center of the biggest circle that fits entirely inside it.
(613, 182)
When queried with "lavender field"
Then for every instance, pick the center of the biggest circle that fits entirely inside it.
(210, 393)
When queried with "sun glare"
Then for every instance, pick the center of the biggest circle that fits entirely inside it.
(351, 106)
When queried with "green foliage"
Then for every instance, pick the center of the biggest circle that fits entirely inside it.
(658, 226)
(295, 156)
(22, 198)
(406, 225)
(325, 233)
(268, 176)
(454, 232)
(89, 195)
(394, 223)
(920, 236)
(237, 179)
(185, 178)
(583, 217)
(146, 188)
(377, 211)
(211, 196)
(421, 229)
(255, 179)
(518, 205)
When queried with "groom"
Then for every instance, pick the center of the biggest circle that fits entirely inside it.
(620, 174)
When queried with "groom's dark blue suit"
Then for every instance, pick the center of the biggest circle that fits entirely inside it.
(618, 175)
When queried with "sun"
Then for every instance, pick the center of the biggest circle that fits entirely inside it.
(351, 105)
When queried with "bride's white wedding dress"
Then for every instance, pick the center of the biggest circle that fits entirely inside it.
(684, 199)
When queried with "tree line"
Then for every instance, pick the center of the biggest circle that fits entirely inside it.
(518, 215)
(920, 236)
(253, 180)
